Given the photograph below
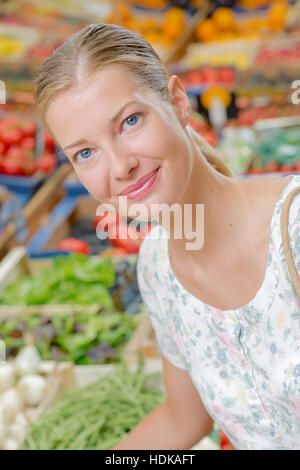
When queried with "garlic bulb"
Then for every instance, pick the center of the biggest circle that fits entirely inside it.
(7, 376)
(11, 404)
(9, 444)
(27, 361)
(32, 388)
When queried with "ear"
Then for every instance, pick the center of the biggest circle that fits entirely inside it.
(179, 99)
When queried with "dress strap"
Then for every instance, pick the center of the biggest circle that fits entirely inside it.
(284, 222)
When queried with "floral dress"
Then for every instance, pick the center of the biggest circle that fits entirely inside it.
(245, 363)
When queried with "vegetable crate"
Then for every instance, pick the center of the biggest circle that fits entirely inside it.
(26, 222)
(72, 217)
(69, 330)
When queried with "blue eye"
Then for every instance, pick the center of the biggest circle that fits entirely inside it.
(83, 154)
(132, 120)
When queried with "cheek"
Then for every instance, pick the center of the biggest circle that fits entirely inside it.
(94, 181)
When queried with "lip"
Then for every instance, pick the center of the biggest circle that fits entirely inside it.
(144, 188)
(138, 184)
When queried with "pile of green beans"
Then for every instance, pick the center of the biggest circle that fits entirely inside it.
(97, 416)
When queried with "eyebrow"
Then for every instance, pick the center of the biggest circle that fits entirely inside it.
(84, 141)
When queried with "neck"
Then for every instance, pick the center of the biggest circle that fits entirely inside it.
(213, 210)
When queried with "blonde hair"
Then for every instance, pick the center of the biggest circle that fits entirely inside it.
(96, 46)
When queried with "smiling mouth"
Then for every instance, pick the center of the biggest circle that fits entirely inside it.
(135, 192)
(139, 184)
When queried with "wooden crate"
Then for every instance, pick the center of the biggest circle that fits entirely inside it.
(37, 210)
(17, 264)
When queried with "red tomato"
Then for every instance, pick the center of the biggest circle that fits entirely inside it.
(286, 168)
(131, 246)
(272, 167)
(49, 142)
(28, 143)
(11, 136)
(12, 121)
(29, 167)
(75, 245)
(256, 171)
(2, 148)
(12, 166)
(114, 251)
(15, 152)
(47, 162)
(29, 128)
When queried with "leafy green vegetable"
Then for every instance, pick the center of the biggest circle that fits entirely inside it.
(72, 336)
(77, 279)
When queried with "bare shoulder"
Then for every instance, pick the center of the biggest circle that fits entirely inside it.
(265, 192)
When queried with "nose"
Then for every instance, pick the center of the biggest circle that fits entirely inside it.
(121, 162)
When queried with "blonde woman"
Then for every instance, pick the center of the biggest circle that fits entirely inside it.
(226, 315)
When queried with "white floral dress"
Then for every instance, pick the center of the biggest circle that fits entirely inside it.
(245, 363)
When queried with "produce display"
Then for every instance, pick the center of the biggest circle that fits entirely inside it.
(18, 147)
(78, 279)
(225, 25)
(97, 416)
(277, 150)
(158, 29)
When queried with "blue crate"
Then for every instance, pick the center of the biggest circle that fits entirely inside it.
(23, 186)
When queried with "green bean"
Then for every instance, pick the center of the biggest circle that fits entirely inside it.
(97, 416)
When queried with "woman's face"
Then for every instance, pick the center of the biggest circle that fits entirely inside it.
(114, 132)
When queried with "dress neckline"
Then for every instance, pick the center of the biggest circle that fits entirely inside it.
(261, 291)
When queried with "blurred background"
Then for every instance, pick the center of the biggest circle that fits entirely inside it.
(70, 306)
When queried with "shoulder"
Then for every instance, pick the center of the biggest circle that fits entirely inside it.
(288, 213)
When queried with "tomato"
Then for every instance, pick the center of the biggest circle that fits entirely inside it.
(114, 251)
(286, 168)
(49, 142)
(74, 245)
(2, 148)
(29, 128)
(131, 246)
(11, 136)
(28, 143)
(15, 152)
(29, 167)
(12, 166)
(297, 166)
(272, 167)
(255, 170)
(47, 162)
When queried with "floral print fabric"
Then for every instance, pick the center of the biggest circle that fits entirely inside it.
(245, 363)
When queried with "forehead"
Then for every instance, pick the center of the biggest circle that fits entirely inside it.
(102, 95)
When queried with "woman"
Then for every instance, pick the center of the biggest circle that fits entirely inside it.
(226, 315)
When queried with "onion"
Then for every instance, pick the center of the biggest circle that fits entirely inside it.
(9, 444)
(32, 388)
(18, 431)
(11, 404)
(2, 431)
(7, 376)
(27, 361)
